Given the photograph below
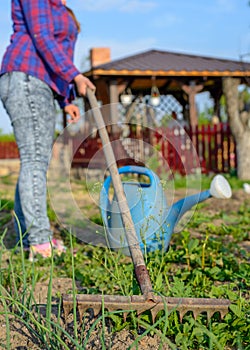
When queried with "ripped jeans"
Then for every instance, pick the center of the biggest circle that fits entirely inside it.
(30, 105)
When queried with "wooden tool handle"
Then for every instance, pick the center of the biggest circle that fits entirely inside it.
(134, 247)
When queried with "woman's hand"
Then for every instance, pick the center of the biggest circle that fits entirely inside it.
(73, 112)
(82, 83)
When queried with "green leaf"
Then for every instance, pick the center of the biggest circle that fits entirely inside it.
(192, 244)
(236, 310)
(158, 282)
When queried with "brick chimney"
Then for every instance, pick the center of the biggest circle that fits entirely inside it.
(99, 55)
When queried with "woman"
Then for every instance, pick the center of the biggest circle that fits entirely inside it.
(37, 68)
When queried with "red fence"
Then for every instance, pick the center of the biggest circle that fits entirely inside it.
(209, 147)
(214, 145)
(8, 150)
(89, 153)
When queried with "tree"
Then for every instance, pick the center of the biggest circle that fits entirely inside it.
(240, 126)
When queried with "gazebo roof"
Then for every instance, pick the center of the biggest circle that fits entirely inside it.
(165, 63)
(169, 71)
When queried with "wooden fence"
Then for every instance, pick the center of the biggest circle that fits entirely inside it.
(214, 146)
(209, 147)
(8, 150)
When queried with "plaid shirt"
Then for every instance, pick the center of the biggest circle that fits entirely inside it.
(42, 44)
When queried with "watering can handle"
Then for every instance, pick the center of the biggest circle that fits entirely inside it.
(134, 169)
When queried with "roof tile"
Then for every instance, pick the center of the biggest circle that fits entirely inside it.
(156, 60)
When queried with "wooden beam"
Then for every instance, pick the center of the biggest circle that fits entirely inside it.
(216, 95)
(191, 90)
(114, 99)
(180, 73)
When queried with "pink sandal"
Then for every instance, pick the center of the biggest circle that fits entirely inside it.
(45, 249)
(58, 246)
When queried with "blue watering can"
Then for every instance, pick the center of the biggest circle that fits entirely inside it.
(153, 219)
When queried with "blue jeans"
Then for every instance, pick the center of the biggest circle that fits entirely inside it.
(30, 105)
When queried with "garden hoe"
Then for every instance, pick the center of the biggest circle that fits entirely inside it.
(148, 301)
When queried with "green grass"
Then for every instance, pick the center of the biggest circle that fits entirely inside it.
(6, 137)
(191, 180)
(213, 264)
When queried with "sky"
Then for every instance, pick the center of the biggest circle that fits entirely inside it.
(215, 28)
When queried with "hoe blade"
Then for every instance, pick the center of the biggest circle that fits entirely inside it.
(138, 303)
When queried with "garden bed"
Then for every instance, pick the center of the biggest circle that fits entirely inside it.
(209, 258)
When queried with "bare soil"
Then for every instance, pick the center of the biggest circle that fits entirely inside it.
(20, 335)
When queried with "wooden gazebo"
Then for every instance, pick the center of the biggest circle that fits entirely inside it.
(177, 74)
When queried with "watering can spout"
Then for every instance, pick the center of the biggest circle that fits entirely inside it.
(219, 188)
(178, 209)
